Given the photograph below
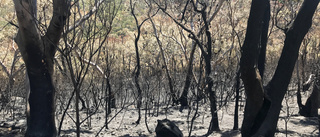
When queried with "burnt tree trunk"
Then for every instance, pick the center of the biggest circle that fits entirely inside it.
(236, 107)
(267, 108)
(136, 76)
(299, 101)
(214, 123)
(264, 41)
(184, 96)
(38, 53)
(310, 109)
(249, 72)
(278, 85)
(138, 66)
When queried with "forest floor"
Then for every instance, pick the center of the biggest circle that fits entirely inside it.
(123, 124)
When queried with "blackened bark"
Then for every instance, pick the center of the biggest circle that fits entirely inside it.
(108, 97)
(278, 85)
(138, 66)
(83, 103)
(136, 77)
(236, 107)
(310, 109)
(264, 40)
(249, 72)
(184, 96)
(299, 101)
(111, 98)
(38, 53)
(41, 120)
(214, 123)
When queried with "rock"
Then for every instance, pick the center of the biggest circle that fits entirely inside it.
(167, 128)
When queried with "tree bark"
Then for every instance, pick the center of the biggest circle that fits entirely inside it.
(264, 40)
(249, 72)
(236, 108)
(138, 66)
(277, 87)
(299, 101)
(137, 72)
(184, 96)
(214, 123)
(310, 109)
(38, 53)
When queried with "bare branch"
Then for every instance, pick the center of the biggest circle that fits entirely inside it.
(85, 17)
(192, 33)
(96, 66)
(219, 5)
(4, 68)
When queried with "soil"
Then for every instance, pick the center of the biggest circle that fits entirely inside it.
(123, 122)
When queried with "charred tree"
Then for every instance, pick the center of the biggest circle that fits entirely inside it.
(207, 54)
(184, 96)
(38, 54)
(263, 105)
(264, 41)
(310, 109)
(236, 107)
(138, 66)
(205, 46)
(249, 71)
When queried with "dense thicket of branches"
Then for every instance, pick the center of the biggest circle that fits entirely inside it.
(109, 55)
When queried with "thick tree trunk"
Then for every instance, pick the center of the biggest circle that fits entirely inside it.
(264, 41)
(277, 87)
(38, 53)
(40, 110)
(249, 72)
(41, 120)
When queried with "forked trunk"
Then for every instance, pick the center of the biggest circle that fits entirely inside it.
(265, 121)
(38, 53)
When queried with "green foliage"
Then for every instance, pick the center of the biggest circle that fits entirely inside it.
(124, 21)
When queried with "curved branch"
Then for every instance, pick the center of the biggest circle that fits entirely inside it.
(85, 17)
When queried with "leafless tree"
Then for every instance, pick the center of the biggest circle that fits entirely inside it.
(203, 40)
(138, 66)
